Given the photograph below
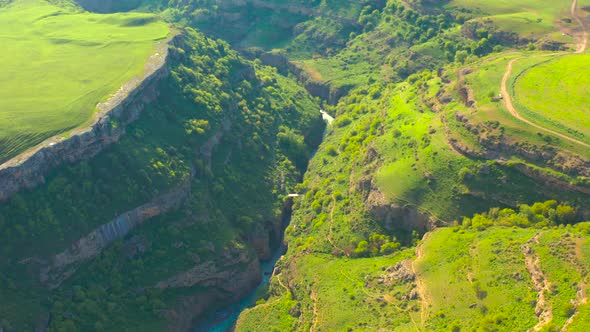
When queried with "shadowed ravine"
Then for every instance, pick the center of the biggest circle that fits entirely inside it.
(224, 319)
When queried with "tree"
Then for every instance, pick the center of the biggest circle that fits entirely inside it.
(565, 214)
(196, 126)
(362, 249)
(461, 56)
(389, 248)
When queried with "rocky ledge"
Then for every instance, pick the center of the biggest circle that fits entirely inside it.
(30, 168)
(65, 264)
(225, 281)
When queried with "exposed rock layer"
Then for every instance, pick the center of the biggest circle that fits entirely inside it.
(29, 169)
(227, 281)
(323, 90)
(64, 264)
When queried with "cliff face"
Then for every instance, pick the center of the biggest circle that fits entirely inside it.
(64, 264)
(30, 168)
(396, 216)
(214, 197)
(227, 281)
(324, 90)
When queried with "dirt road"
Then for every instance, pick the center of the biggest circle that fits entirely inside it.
(580, 48)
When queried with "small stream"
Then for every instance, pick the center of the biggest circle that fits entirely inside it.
(224, 319)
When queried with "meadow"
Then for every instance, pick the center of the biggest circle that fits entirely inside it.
(57, 63)
(556, 94)
(485, 79)
(465, 277)
(548, 21)
(480, 278)
(344, 295)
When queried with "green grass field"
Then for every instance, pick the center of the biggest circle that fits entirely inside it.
(531, 19)
(466, 277)
(509, 6)
(556, 94)
(485, 81)
(473, 266)
(481, 279)
(56, 64)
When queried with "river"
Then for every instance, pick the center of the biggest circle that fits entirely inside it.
(224, 319)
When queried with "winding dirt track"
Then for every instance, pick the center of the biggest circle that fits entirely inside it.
(580, 48)
(420, 283)
(584, 42)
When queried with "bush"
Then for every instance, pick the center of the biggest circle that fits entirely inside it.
(331, 151)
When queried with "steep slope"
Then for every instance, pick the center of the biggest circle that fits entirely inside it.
(402, 159)
(174, 215)
(482, 274)
(171, 221)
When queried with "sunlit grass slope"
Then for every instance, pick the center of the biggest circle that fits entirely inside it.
(533, 19)
(556, 94)
(56, 64)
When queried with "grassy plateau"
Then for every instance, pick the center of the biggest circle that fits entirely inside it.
(556, 93)
(57, 63)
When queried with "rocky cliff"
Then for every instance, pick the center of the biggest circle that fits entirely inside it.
(30, 168)
(64, 264)
(323, 90)
(227, 281)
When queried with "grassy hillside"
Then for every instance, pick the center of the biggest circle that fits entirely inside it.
(385, 174)
(530, 19)
(402, 158)
(547, 98)
(388, 231)
(492, 278)
(57, 64)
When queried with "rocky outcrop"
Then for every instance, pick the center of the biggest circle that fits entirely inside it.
(397, 216)
(293, 8)
(209, 273)
(402, 272)
(29, 169)
(277, 60)
(548, 179)
(227, 281)
(261, 244)
(64, 264)
(265, 240)
(495, 144)
(205, 152)
(323, 90)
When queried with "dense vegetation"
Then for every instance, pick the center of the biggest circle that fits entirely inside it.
(401, 158)
(274, 126)
(388, 230)
(462, 278)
